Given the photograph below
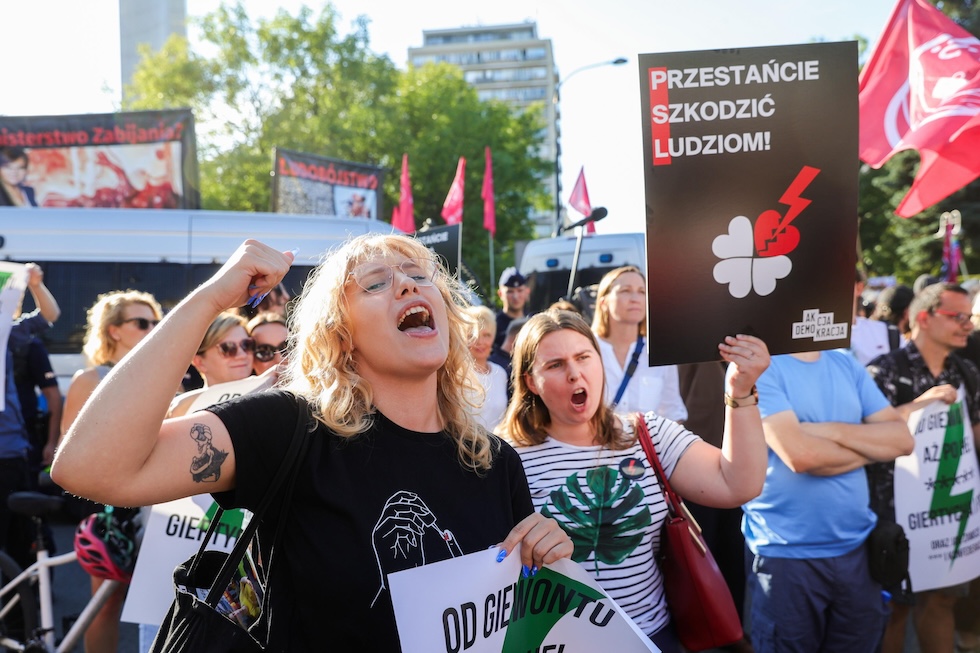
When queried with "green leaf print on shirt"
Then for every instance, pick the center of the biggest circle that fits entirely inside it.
(603, 524)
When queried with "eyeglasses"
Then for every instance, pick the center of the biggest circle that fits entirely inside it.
(374, 277)
(230, 349)
(265, 353)
(142, 323)
(962, 319)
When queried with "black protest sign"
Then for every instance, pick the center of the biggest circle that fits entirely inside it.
(446, 243)
(750, 167)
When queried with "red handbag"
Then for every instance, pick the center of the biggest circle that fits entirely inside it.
(700, 602)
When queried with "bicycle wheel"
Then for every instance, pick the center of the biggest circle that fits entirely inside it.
(21, 620)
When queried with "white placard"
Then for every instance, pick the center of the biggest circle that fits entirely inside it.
(222, 392)
(173, 534)
(475, 604)
(937, 497)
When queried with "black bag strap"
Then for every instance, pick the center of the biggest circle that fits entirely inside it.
(286, 469)
(630, 369)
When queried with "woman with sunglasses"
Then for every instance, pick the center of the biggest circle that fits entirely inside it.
(398, 472)
(226, 354)
(117, 322)
(580, 457)
(269, 331)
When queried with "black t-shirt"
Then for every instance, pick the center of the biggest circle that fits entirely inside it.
(363, 507)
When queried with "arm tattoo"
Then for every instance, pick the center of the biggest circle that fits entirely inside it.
(206, 466)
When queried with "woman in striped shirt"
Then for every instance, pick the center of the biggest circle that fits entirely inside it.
(586, 468)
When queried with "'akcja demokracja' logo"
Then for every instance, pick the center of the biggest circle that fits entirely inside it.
(753, 257)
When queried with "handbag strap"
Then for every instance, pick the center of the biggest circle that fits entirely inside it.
(670, 497)
(675, 505)
(630, 369)
(289, 462)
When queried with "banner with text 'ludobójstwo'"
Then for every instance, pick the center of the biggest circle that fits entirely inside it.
(318, 185)
(135, 160)
(750, 167)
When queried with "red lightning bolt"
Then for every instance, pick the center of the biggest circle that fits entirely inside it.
(792, 198)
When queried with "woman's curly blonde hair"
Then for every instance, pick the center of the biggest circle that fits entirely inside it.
(321, 368)
(109, 310)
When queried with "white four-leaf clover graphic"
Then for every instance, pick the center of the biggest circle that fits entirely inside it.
(740, 268)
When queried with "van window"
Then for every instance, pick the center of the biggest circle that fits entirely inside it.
(76, 285)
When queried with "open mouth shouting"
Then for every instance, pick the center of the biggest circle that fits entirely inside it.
(416, 319)
(579, 397)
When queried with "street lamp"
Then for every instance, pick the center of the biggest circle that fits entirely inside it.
(619, 61)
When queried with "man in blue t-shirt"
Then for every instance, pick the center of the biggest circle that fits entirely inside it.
(809, 584)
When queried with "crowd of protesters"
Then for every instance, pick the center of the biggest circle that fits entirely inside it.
(751, 450)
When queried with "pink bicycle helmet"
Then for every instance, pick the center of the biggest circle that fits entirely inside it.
(105, 548)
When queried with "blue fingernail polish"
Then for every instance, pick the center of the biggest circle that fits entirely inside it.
(252, 286)
(534, 570)
(261, 297)
(525, 572)
(501, 555)
(294, 251)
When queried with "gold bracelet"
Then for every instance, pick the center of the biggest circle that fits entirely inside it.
(752, 399)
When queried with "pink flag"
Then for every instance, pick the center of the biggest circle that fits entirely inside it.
(489, 207)
(452, 208)
(921, 90)
(404, 215)
(580, 200)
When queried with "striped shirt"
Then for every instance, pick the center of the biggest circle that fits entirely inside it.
(610, 504)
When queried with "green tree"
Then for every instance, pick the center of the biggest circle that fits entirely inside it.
(440, 118)
(297, 82)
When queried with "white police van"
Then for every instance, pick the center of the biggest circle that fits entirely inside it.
(86, 252)
(547, 264)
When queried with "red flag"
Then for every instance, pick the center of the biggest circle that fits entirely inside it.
(404, 215)
(580, 200)
(921, 89)
(452, 208)
(489, 206)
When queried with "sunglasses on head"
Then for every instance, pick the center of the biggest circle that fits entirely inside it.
(142, 323)
(230, 349)
(266, 353)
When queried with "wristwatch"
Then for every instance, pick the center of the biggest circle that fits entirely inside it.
(737, 402)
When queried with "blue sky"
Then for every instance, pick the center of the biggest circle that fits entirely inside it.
(62, 57)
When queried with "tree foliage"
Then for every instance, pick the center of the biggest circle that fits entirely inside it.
(298, 82)
(908, 247)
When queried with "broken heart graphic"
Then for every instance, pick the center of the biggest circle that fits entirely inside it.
(739, 268)
(771, 239)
